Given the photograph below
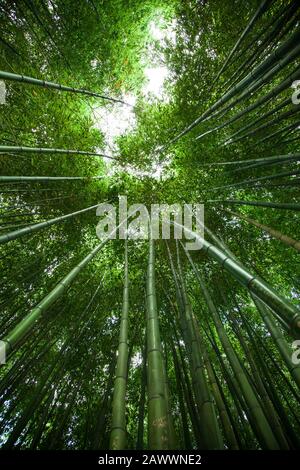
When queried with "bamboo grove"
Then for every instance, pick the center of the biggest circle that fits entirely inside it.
(141, 343)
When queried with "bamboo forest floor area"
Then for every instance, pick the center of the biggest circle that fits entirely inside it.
(144, 343)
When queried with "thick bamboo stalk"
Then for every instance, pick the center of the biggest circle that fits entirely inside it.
(22, 149)
(273, 205)
(118, 436)
(45, 179)
(287, 311)
(56, 86)
(158, 438)
(6, 237)
(291, 242)
(13, 338)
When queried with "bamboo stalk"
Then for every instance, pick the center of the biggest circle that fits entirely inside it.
(264, 431)
(210, 432)
(260, 101)
(158, 435)
(260, 10)
(285, 53)
(118, 421)
(273, 205)
(6, 237)
(287, 311)
(7, 179)
(56, 86)
(14, 337)
(291, 242)
(12, 148)
(235, 137)
(256, 180)
(279, 340)
(257, 161)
